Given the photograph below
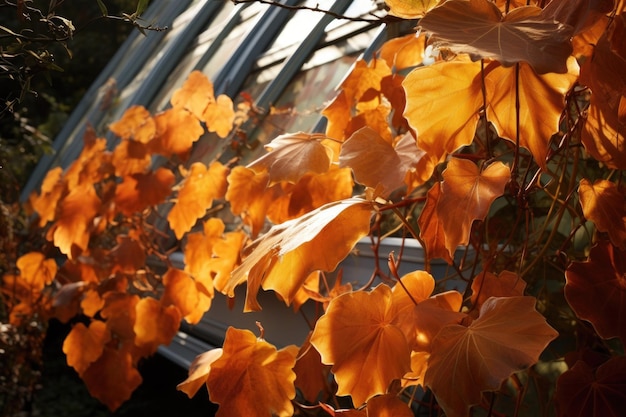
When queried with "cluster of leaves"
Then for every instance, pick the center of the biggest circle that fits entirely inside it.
(507, 149)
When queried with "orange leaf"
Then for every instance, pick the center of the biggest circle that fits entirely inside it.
(136, 123)
(375, 162)
(194, 95)
(365, 347)
(603, 203)
(155, 324)
(140, 191)
(584, 391)
(538, 94)
(249, 196)
(311, 374)
(36, 270)
(120, 311)
(251, 378)
(579, 14)
(91, 302)
(131, 157)
(508, 336)
(177, 131)
(293, 155)
(339, 113)
(191, 298)
(200, 187)
(70, 233)
(478, 28)
(430, 93)
(431, 315)
(364, 81)
(410, 9)
(84, 345)
(219, 116)
(431, 226)
(600, 278)
(466, 195)
(505, 284)
(45, 204)
(112, 378)
(319, 240)
(388, 405)
(406, 51)
(199, 371)
(129, 255)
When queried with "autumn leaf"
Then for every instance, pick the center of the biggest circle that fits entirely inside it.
(583, 391)
(131, 157)
(136, 123)
(189, 296)
(430, 316)
(404, 52)
(120, 312)
(91, 303)
(338, 113)
(140, 191)
(194, 95)
(92, 165)
(410, 9)
(219, 116)
(112, 378)
(201, 186)
(319, 240)
(477, 27)
(601, 277)
(508, 336)
(365, 347)
(177, 130)
(155, 324)
(36, 270)
(293, 155)
(84, 345)
(466, 195)
(70, 233)
(312, 376)
(603, 203)
(364, 81)
(486, 285)
(430, 93)
(578, 14)
(431, 226)
(246, 365)
(45, 204)
(199, 371)
(388, 405)
(129, 255)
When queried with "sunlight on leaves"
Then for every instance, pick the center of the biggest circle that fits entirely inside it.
(431, 226)
(136, 124)
(219, 116)
(252, 378)
(155, 324)
(603, 203)
(364, 346)
(199, 371)
(410, 9)
(487, 284)
(178, 130)
(140, 191)
(194, 95)
(84, 345)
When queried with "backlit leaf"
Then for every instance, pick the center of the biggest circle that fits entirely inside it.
(404, 52)
(478, 28)
(431, 226)
(388, 405)
(129, 255)
(293, 155)
(319, 240)
(508, 336)
(84, 345)
(140, 191)
(584, 391)
(364, 346)
(136, 124)
(410, 9)
(201, 186)
(131, 157)
(45, 203)
(486, 285)
(36, 270)
(155, 324)
(312, 376)
(601, 277)
(431, 92)
(199, 371)
(182, 291)
(603, 203)
(219, 116)
(466, 195)
(195, 94)
(177, 131)
(579, 14)
(120, 312)
(252, 378)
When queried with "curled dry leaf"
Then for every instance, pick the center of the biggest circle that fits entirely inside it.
(199, 371)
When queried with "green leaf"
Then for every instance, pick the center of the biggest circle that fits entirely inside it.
(103, 8)
(141, 7)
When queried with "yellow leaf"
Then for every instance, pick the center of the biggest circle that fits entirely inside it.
(195, 94)
(410, 9)
(219, 116)
(251, 378)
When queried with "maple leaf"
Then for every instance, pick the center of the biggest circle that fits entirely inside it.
(364, 81)
(601, 277)
(486, 285)
(583, 391)
(155, 324)
(508, 336)
(603, 203)
(538, 94)
(430, 316)
(246, 364)
(293, 155)
(177, 130)
(431, 226)
(365, 347)
(376, 162)
(311, 192)
(45, 204)
(36, 270)
(136, 123)
(70, 232)
(140, 191)
(249, 196)
(84, 345)
(466, 195)
(201, 186)
(219, 116)
(410, 9)
(478, 28)
(319, 240)
(195, 94)
(430, 93)
(112, 378)
(199, 371)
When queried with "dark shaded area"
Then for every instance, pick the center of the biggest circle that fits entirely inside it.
(63, 393)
